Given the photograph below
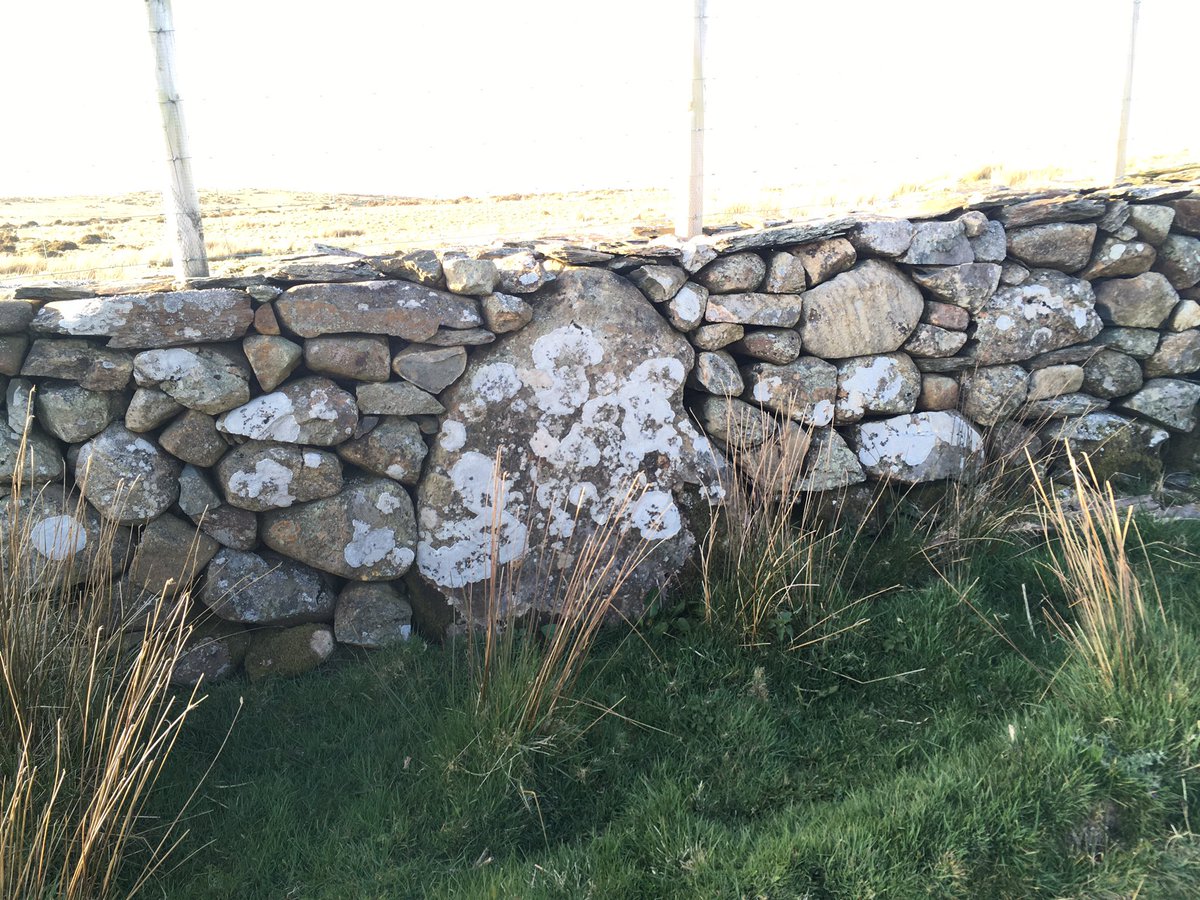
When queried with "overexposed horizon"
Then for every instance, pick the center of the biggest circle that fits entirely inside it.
(475, 98)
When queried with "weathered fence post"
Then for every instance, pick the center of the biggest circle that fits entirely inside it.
(690, 219)
(182, 203)
(1123, 133)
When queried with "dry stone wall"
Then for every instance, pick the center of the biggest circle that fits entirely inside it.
(315, 450)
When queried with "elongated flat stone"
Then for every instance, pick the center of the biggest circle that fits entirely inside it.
(168, 319)
(398, 308)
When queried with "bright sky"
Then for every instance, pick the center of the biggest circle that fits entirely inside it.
(476, 96)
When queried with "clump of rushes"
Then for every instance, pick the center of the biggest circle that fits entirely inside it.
(1112, 609)
(86, 712)
(778, 562)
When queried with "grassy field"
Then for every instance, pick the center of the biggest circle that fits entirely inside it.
(951, 746)
(122, 237)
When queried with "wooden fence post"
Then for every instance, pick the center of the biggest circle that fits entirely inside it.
(1123, 133)
(690, 220)
(182, 203)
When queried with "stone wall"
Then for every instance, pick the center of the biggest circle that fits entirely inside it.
(315, 446)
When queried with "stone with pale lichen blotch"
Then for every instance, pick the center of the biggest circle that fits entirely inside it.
(366, 532)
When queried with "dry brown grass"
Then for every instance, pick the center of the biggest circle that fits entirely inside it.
(774, 555)
(1093, 549)
(87, 716)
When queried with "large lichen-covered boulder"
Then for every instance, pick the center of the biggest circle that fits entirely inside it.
(582, 409)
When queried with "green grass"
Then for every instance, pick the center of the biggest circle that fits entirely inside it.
(938, 751)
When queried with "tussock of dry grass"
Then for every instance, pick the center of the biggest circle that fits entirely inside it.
(1093, 563)
(87, 715)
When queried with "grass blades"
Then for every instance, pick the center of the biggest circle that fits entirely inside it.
(85, 707)
(1110, 613)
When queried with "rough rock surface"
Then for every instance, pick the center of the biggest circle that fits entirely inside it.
(365, 357)
(733, 274)
(992, 393)
(213, 653)
(736, 424)
(876, 385)
(1143, 301)
(1048, 311)
(199, 378)
(503, 313)
(925, 446)
(785, 275)
(266, 589)
(95, 368)
(150, 320)
(1111, 373)
(780, 310)
(804, 390)
(148, 409)
(474, 277)
(1114, 256)
(397, 308)
(61, 538)
(1176, 354)
(287, 652)
(307, 411)
(1115, 446)
(259, 476)
(1167, 401)
(592, 387)
(1178, 259)
(72, 413)
(871, 309)
(396, 398)
(717, 373)
(41, 460)
(432, 369)
(882, 237)
(824, 259)
(968, 285)
(1151, 222)
(687, 309)
(659, 283)
(774, 345)
(126, 477)
(1054, 381)
(372, 615)
(939, 244)
(367, 532)
(393, 448)
(829, 465)
(193, 437)
(272, 358)
(1064, 246)
(933, 342)
(169, 555)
